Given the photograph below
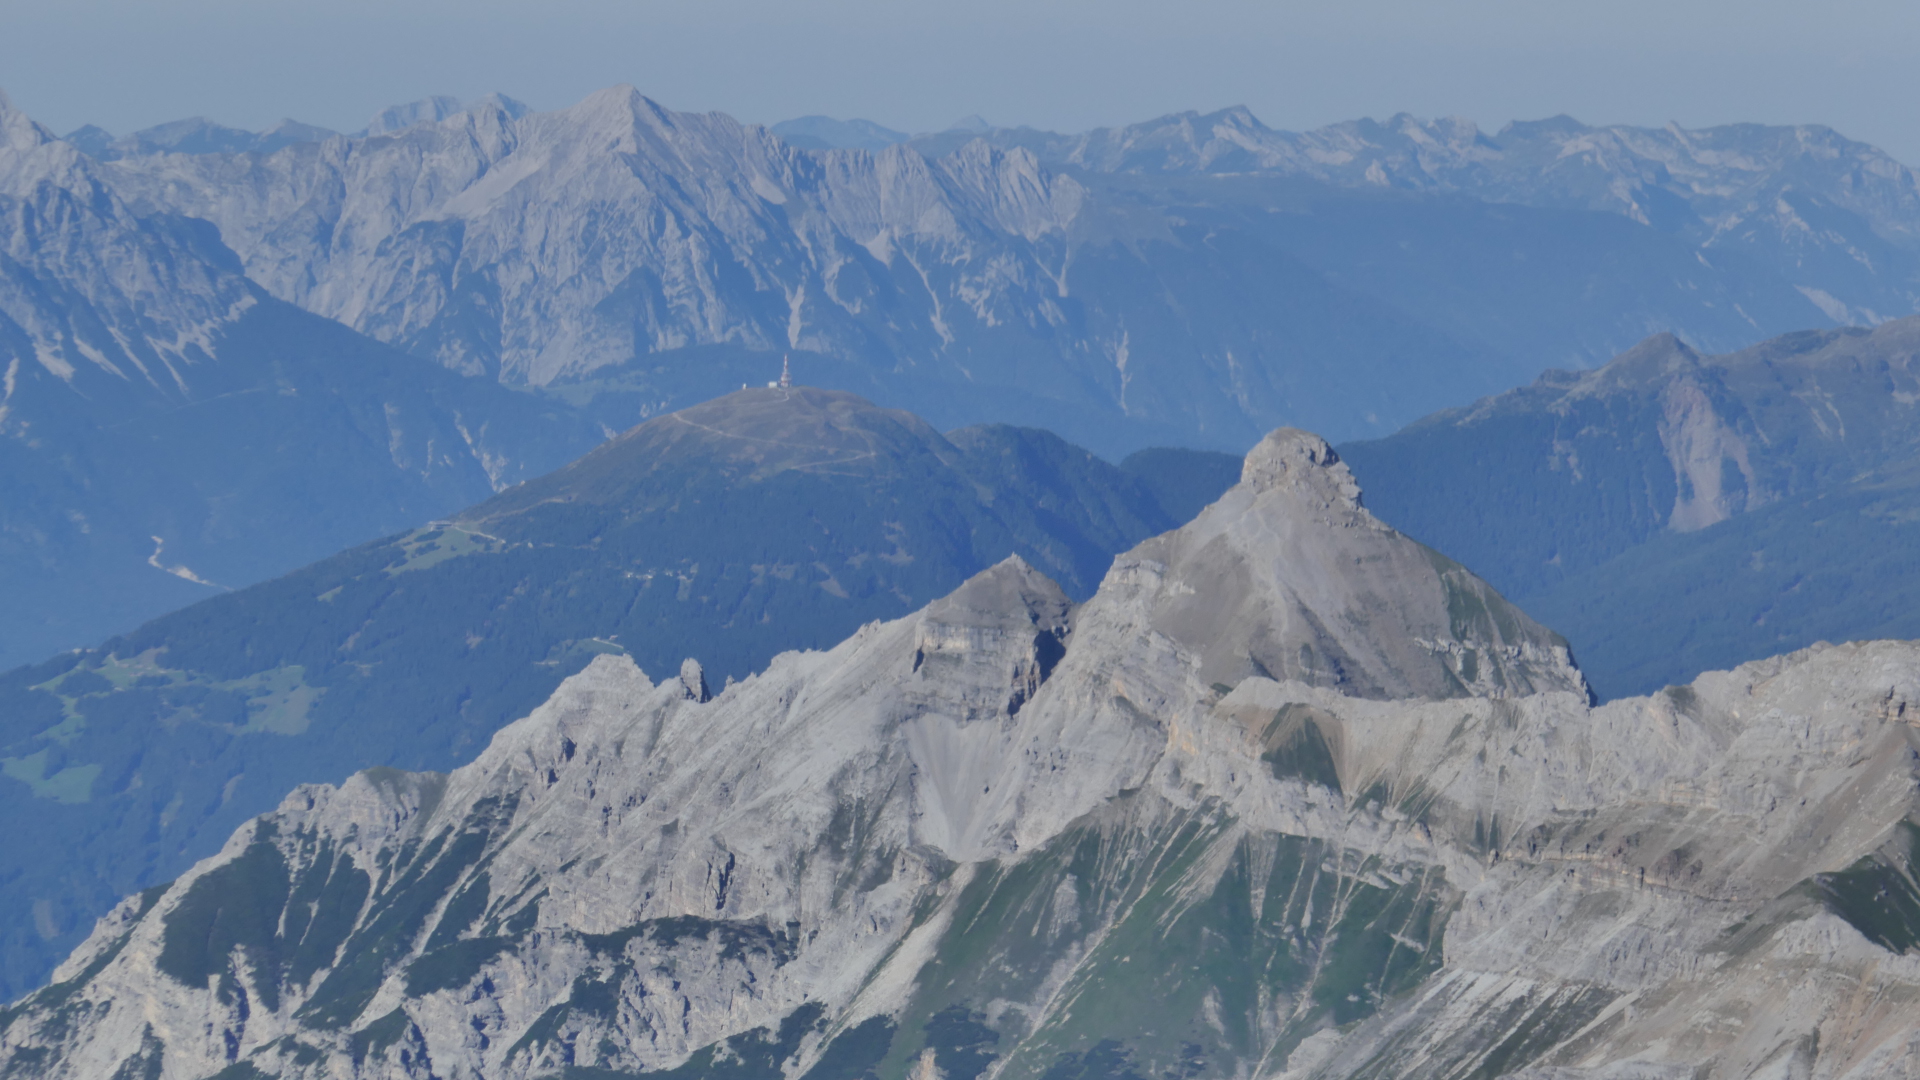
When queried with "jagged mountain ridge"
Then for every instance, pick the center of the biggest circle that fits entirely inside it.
(198, 135)
(165, 424)
(1840, 218)
(624, 249)
(1590, 495)
(764, 521)
(1013, 838)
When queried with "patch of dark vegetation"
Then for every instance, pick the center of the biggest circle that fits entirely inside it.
(1297, 748)
(452, 965)
(963, 1045)
(378, 1036)
(392, 924)
(1107, 1060)
(854, 1053)
(761, 1054)
(288, 929)
(1877, 895)
(737, 940)
(233, 906)
(465, 909)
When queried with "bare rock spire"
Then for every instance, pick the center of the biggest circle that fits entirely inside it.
(693, 681)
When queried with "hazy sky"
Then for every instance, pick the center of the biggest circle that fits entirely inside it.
(918, 65)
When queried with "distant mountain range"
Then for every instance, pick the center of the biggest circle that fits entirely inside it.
(765, 521)
(1192, 278)
(199, 135)
(1195, 280)
(168, 429)
(1674, 512)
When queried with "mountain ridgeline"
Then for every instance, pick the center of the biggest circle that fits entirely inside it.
(1673, 512)
(1192, 280)
(1366, 823)
(169, 430)
(764, 521)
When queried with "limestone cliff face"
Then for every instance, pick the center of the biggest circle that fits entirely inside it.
(1288, 577)
(1008, 837)
(533, 247)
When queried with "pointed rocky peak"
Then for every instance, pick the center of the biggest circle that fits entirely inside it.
(693, 681)
(993, 641)
(1650, 364)
(92, 140)
(398, 117)
(512, 107)
(1236, 118)
(1303, 465)
(17, 129)
(1010, 595)
(616, 108)
(1288, 577)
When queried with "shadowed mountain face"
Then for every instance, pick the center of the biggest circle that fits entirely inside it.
(168, 430)
(764, 521)
(1772, 488)
(1013, 836)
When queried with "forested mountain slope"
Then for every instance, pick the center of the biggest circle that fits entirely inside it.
(1772, 488)
(765, 521)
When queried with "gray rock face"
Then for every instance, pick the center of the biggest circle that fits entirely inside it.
(1288, 577)
(1804, 199)
(168, 429)
(1005, 837)
(565, 242)
(979, 272)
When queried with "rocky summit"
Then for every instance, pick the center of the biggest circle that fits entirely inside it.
(1289, 796)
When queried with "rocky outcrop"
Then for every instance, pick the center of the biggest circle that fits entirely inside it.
(554, 244)
(1288, 577)
(764, 521)
(1004, 837)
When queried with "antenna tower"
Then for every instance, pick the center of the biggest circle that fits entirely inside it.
(786, 375)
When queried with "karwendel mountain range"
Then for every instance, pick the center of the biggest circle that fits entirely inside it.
(1291, 795)
(1193, 280)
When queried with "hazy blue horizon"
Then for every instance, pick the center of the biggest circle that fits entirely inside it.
(1064, 66)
